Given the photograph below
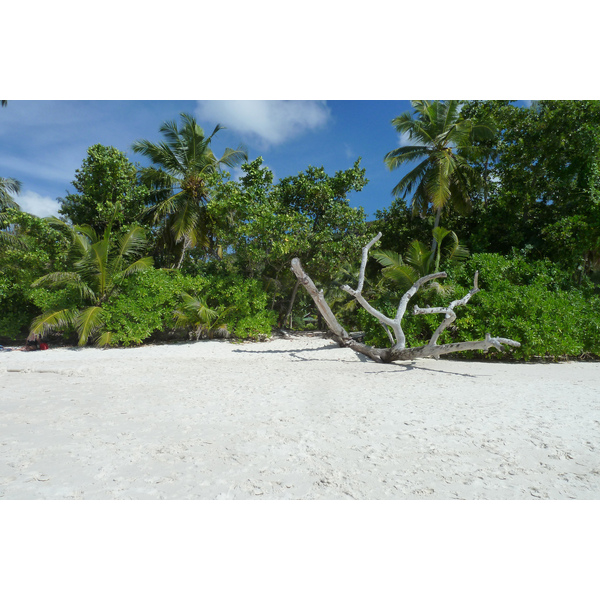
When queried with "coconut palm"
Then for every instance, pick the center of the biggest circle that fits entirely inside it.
(195, 313)
(8, 187)
(99, 266)
(443, 142)
(178, 181)
(419, 260)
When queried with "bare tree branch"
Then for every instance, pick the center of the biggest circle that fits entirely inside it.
(398, 351)
(450, 315)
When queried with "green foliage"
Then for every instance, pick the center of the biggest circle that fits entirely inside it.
(543, 186)
(98, 268)
(194, 313)
(107, 191)
(248, 315)
(263, 226)
(149, 303)
(145, 306)
(533, 302)
(179, 185)
(443, 141)
(8, 187)
(38, 248)
(419, 260)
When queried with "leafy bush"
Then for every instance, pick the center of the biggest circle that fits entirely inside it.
(41, 248)
(144, 306)
(249, 316)
(534, 303)
(148, 302)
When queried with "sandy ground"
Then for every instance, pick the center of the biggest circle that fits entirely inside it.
(293, 418)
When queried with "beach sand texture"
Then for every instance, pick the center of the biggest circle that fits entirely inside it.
(294, 418)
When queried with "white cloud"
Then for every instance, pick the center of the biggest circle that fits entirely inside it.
(40, 206)
(237, 173)
(404, 140)
(271, 121)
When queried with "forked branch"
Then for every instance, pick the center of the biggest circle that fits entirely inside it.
(393, 327)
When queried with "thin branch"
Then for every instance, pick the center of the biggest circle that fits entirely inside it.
(363, 263)
(449, 312)
(428, 351)
(401, 343)
(389, 333)
(368, 307)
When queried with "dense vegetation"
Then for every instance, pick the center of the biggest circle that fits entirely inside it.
(179, 249)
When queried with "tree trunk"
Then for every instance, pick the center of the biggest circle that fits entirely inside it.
(186, 244)
(291, 304)
(436, 223)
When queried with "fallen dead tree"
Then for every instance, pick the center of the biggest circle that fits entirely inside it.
(393, 326)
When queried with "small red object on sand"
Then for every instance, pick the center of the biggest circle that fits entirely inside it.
(43, 346)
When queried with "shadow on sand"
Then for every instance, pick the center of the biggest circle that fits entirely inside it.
(318, 355)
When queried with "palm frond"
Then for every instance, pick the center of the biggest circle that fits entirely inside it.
(10, 239)
(232, 158)
(87, 322)
(54, 320)
(412, 178)
(439, 233)
(143, 264)
(388, 258)
(8, 187)
(454, 252)
(104, 339)
(419, 256)
(403, 276)
(133, 241)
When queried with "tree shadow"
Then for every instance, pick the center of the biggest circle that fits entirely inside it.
(389, 367)
(296, 354)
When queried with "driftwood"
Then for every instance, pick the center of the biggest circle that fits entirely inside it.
(393, 327)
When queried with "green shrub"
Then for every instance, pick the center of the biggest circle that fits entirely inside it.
(144, 306)
(249, 316)
(148, 301)
(534, 303)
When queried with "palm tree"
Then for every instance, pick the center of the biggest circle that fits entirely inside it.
(419, 260)
(443, 142)
(98, 269)
(8, 187)
(178, 186)
(195, 313)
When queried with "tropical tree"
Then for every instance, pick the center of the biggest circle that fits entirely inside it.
(29, 249)
(99, 267)
(419, 261)
(179, 182)
(194, 313)
(443, 141)
(8, 187)
(264, 225)
(106, 178)
(545, 182)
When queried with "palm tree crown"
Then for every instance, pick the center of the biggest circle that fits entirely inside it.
(178, 181)
(442, 141)
(100, 265)
(8, 187)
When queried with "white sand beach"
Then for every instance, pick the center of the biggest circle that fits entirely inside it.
(294, 418)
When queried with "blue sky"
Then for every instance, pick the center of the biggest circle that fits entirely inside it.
(42, 143)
